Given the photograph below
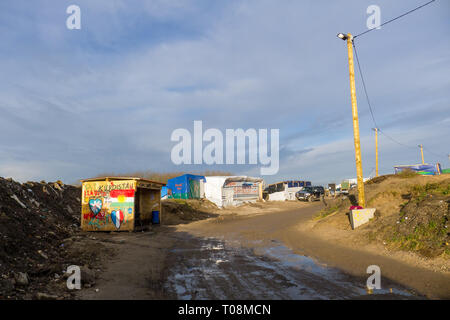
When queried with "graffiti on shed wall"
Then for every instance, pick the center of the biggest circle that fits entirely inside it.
(108, 205)
(95, 205)
(242, 190)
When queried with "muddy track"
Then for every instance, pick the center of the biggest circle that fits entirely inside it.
(236, 258)
(210, 269)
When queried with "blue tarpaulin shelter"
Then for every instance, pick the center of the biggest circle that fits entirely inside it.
(424, 169)
(296, 183)
(164, 192)
(186, 186)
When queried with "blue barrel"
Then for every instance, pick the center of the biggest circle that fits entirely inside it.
(155, 217)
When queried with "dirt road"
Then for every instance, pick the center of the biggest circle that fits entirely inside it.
(250, 257)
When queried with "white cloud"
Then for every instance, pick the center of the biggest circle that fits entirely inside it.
(107, 98)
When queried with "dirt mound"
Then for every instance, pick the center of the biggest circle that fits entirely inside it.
(34, 220)
(406, 174)
(422, 223)
(379, 179)
(179, 211)
(412, 213)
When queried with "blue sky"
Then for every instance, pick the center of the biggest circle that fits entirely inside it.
(106, 98)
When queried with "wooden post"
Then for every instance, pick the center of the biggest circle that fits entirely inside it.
(421, 152)
(376, 151)
(359, 171)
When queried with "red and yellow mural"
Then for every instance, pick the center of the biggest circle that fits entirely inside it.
(108, 205)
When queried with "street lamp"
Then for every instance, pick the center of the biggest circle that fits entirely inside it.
(342, 36)
(359, 171)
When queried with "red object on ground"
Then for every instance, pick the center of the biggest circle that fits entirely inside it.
(355, 208)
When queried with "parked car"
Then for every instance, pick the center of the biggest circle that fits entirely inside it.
(319, 189)
(308, 194)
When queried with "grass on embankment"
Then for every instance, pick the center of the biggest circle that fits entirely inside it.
(422, 224)
(412, 213)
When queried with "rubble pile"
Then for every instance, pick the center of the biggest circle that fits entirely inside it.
(180, 211)
(35, 220)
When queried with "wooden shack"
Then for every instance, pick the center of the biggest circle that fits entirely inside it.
(119, 203)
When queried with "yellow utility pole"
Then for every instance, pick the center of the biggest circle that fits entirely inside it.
(376, 151)
(421, 152)
(359, 171)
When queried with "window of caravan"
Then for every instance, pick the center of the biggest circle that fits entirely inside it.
(271, 189)
(280, 187)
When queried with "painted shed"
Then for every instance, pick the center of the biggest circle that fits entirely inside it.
(119, 203)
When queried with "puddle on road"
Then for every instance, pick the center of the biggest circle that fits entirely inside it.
(211, 269)
(289, 259)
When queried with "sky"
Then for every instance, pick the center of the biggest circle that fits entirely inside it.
(107, 97)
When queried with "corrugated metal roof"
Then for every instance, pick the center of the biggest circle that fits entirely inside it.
(120, 178)
(235, 178)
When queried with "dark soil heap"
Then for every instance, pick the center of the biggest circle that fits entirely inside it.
(35, 218)
(40, 237)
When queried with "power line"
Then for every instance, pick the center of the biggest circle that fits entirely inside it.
(406, 13)
(364, 85)
(368, 100)
(371, 109)
(436, 154)
(364, 82)
(396, 141)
